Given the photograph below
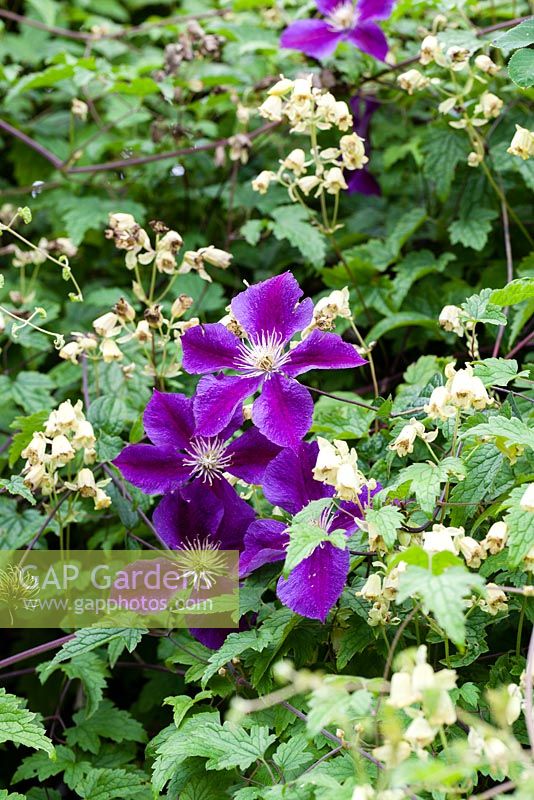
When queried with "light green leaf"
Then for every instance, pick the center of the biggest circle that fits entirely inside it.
(15, 485)
(31, 391)
(88, 639)
(498, 371)
(473, 228)
(293, 756)
(520, 36)
(512, 430)
(442, 595)
(339, 420)
(478, 308)
(292, 223)
(384, 522)
(21, 726)
(91, 670)
(182, 703)
(444, 149)
(111, 784)
(251, 230)
(521, 68)
(520, 528)
(514, 292)
(304, 539)
(108, 722)
(403, 319)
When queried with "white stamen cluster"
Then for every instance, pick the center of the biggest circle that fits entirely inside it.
(343, 17)
(207, 458)
(263, 356)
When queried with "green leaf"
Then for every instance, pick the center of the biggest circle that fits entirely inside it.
(403, 319)
(498, 371)
(511, 430)
(444, 149)
(351, 640)
(425, 480)
(521, 68)
(182, 703)
(17, 529)
(473, 228)
(304, 539)
(15, 485)
(339, 420)
(514, 292)
(384, 522)
(292, 223)
(478, 308)
(520, 528)
(520, 36)
(442, 595)
(293, 756)
(26, 427)
(88, 639)
(485, 478)
(108, 722)
(108, 414)
(31, 391)
(40, 766)
(108, 784)
(91, 670)
(251, 230)
(21, 726)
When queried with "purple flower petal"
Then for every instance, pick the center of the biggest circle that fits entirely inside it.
(272, 306)
(374, 9)
(265, 542)
(314, 37)
(251, 453)
(316, 584)
(212, 637)
(217, 400)
(322, 351)
(153, 469)
(288, 481)
(209, 348)
(371, 39)
(360, 181)
(169, 420)
(179, 521)
(237, 518)
(327, 6)
(284, 411)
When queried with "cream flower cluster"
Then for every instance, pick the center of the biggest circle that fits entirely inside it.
(308, 110)
(328, 309)
(337, 465)
(424, 697)
(404, 442)
(66, 434)
(381, 591)
(129, 236)
(463, 391)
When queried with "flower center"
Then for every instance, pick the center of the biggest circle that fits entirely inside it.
(325, 519)
(201, 561)
(343, 17)
(207, 458)
(265, 355)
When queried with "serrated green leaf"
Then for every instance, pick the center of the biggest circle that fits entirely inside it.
(442, 595)
(26, 427)
(520, 528)
(498, 371)
(520, 36)
(88, 639)
(91, 670)
(511, 430)
(384, 522)
(514, 292)
(473, 228)
(15, 485)
(291, 223)
(21, 726)
(108, 722)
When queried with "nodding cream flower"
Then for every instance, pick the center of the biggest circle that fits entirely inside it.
(71, 351)
(450, 319)
(514, 704)
(420, 733)
(182, 304)
(441, 538)
(412, 81)
(401, 691)
(101, 499)
(439, 405)
(458, 57)
(404, 442)
(35, 451)
(334, 181)
(496, 538)
(353, 151)
(166, 250)
(308, 183)
(392, 754)
(495, 600)
(281, 87)
(466, 390)
(328, 461)
(262, 181)
(110, 351)
(107, 324)
(295, 161)
(124, 310)
(527, 501)
(84, 435)
(328, 309)
(472, 551)
(79, 109)
(485, 64)
(142, 332)
(489, 105)
(35, 475)
(342, 116)
(271, 108)
(217, 258)
(363, 792)
(302, 90)
(62, 450)
(85, 483)
(430, 49)
(62, 419)
(474, 159)
(372, 588)
(522, 144)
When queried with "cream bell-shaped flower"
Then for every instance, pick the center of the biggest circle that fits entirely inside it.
(295, 161)
(372, 588)
(522, 144)
(489, 105)
(71, 351)
(466, 390)
(439, 405)
(281, 87)
(450, 319)
(262, 181)
(401, 691)
(110, 351)
(420, 733)
(353, 151)
(35, 451)
(527, 500)
(485, 64)
(334, 181)
(308, 183)
(514, 704)
(496, 538)
(271, 108)
(328, 309)
(441, 538)
(85, 483)
(472, 551)
(107, 325)
(495, 600)
(404, 442)
(62, 451)
(412, 81)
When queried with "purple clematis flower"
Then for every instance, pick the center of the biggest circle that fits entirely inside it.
(345, 20)
(316, 584)
(201, 522)
(180, 459)
(361, 181)
(270, 313)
